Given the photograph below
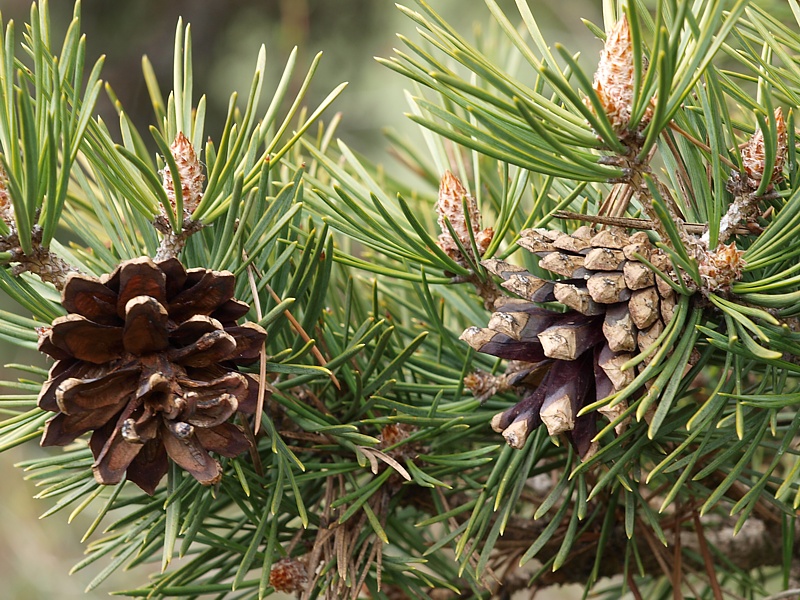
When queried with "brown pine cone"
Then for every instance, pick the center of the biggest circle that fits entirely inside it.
(147, 359)
(617, 307)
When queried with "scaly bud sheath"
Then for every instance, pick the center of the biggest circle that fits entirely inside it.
(288, 575)
(754, 152)
(614, 78)
(190, 172)
(450, 206)
(191, 175)
(720, 268)
(6, 207)
(744, 185)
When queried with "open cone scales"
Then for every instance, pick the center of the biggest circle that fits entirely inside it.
(617, 307)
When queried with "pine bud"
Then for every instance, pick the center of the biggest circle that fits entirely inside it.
(754, 152)
(613, 80)
(484, 385)
(720, 268)
(190, 171)
(394, 441)
(450, 206)
(6, 207)
(288, 575)
(395, 433)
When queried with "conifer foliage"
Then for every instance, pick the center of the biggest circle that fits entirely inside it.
(568, 355)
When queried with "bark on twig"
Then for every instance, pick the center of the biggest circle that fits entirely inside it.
(172, 243)
(631, 223)
(40, 261)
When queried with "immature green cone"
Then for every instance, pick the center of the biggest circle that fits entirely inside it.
(617, 308)
(147, 358)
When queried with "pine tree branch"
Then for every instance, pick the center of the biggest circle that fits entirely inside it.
(631, 223)
(759, 543)
(172, 243)
(40, 260)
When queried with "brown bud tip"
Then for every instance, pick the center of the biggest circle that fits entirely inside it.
(288, 575)
(613, 80)
(450, 205)
(754, 152)
(6, 207)
(484, 385)
(720, 268)
(190, 172)
(395, 433)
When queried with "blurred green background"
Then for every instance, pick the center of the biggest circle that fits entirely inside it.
(36, 555)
